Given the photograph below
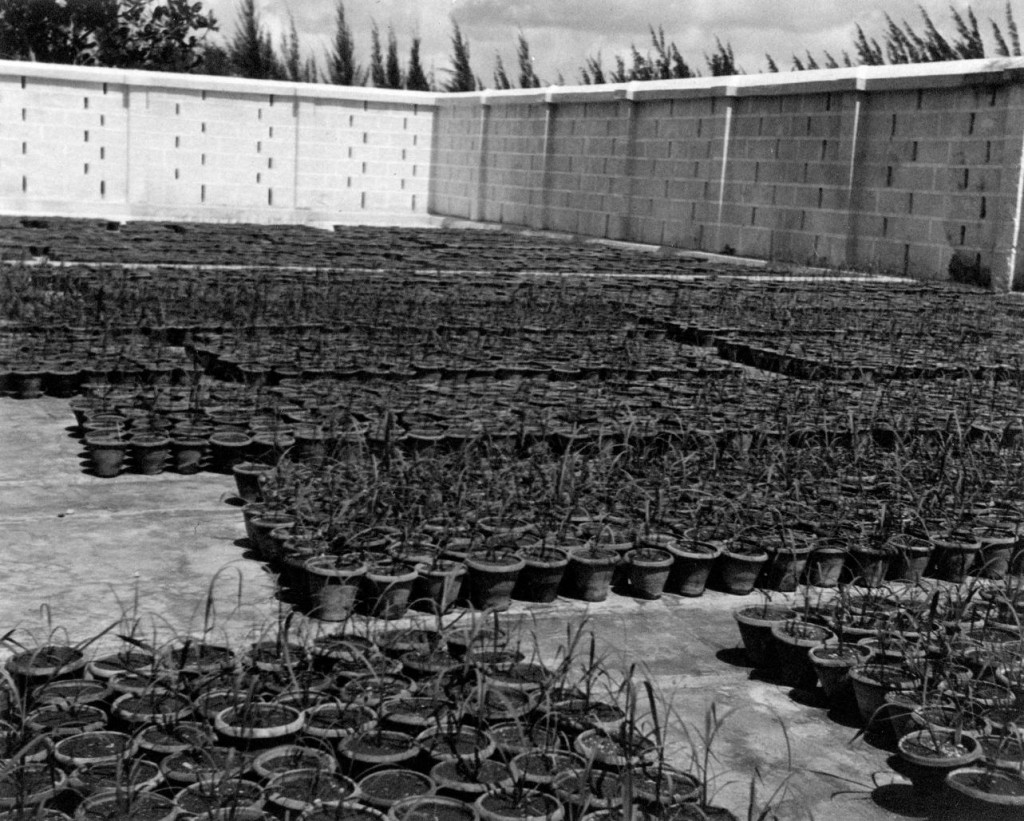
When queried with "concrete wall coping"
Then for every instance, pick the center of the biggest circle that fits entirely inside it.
(950, 74)
(55, 72)
(956, 73)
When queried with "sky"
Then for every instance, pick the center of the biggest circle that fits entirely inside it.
(563, 33)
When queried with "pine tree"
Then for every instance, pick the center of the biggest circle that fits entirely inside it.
(415, 79)
(392, 68)
(342, 69)
(501, 80)
(773, 67)
(592, 72)
(251, 50)
(461, 76)
(722, 62)
(378, 77)
(869, 52)
(290, 49)
(527, 76)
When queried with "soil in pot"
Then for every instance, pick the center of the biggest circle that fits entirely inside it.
(432, 808)
(376, 748)
(385, 788)
(299, 790)
(528, 805)
(257, 725)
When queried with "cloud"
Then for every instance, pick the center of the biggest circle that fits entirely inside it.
(563, 33)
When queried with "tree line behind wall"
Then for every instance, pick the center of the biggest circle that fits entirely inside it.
(174, 35)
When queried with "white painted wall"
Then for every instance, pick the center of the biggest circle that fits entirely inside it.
(130, 144)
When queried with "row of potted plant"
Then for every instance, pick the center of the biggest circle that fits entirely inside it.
(458, 720)
(935, 671)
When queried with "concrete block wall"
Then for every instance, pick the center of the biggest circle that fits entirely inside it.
(912, 170)
(126, 144)
(455, 160)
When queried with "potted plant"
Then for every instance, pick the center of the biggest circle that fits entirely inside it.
(387, 587)
(107, 451)
(491, 575)
(739, 567)
(385, 788)
(648, 570)
(693, 561)
(755, 623)
(588, 576)
(334, 583)
(929, 755)
(544, 567)
(794, 638)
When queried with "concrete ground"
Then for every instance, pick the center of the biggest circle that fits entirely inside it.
(80, 553)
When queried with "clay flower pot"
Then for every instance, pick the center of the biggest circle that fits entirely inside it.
(542, 574)
(387, 588)
(648, 569)
(492, 577)
(825, 565)
(785, 566)
(872, 682)
(150, 452)
(738, 569)
(992, 793)
(793, 639)
(190, 451)
(107, 451)
(832, 664)
(928, 756)
(248, 479)
(334, 583)
(301, 790)
(438, 585)
(755, 623)
(954, 555)
(256, 724)
(588, 575)
(867, 566)
(691, 568)
(910, 557)
(527, 806)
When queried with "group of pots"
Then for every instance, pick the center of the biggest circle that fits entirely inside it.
(399, 725)
(381, 574)
(938, 674)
